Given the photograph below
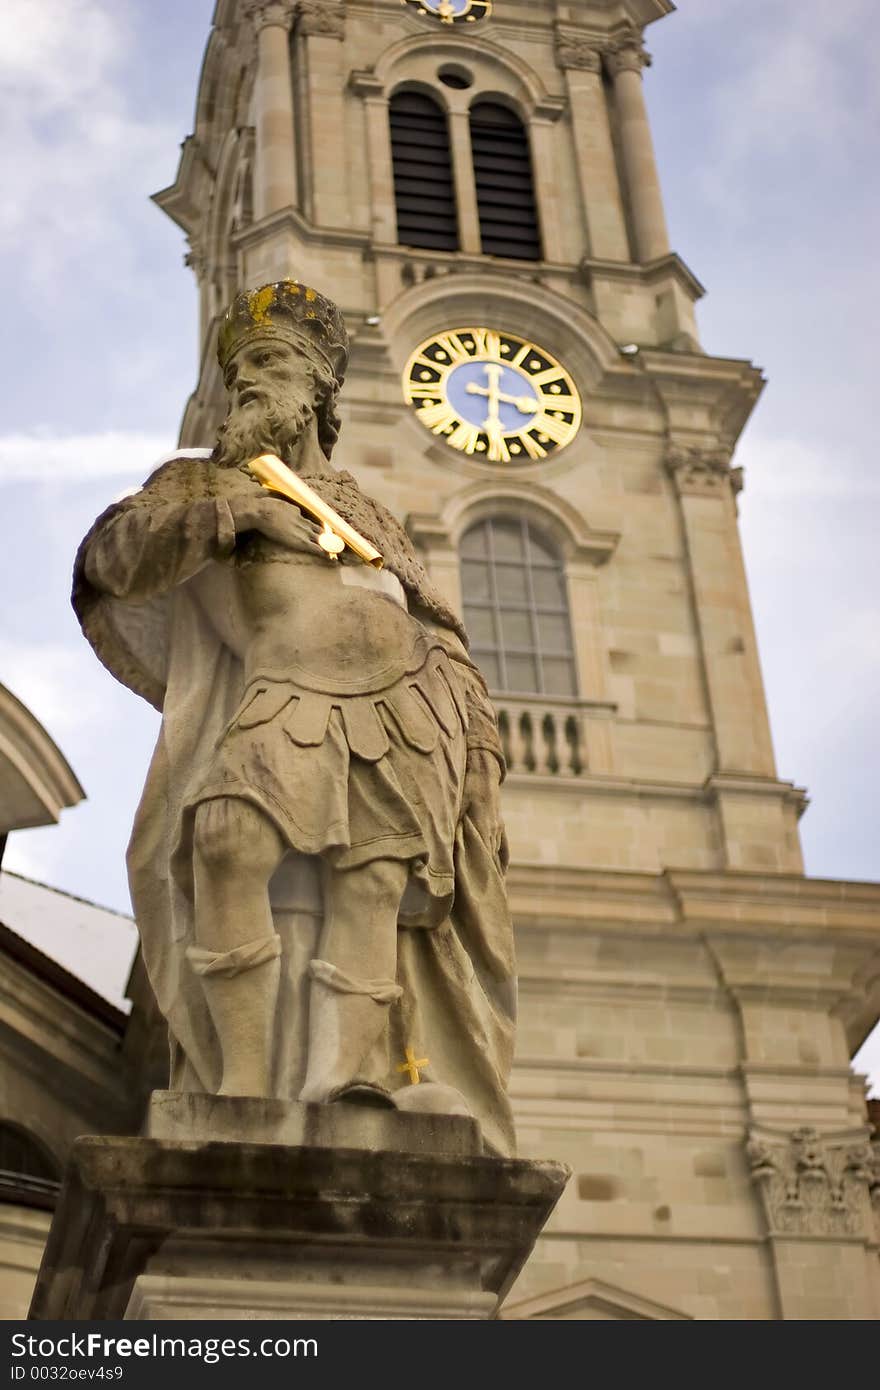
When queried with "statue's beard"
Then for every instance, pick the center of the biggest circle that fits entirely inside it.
(265, 426)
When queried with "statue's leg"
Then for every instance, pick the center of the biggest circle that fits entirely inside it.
(236, 849)
(353, 983)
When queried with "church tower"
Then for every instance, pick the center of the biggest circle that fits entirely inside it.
(474, 183)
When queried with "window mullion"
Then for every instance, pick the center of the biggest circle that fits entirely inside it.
(496, 596)
(533, 612)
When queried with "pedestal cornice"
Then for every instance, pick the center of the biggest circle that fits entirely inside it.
(142, 1222)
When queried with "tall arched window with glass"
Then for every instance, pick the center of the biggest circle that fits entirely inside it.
(516, 608)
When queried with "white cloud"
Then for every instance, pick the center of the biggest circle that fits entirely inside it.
(792, 468)
(72, 145)
(794, 88)
(43, 674)
(54, 51)
(43, 457)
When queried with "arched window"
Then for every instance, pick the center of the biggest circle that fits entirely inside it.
(505, 190)
(423, 185)
(29, 1175)
(516, 608)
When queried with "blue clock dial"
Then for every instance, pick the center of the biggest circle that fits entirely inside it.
(492, 395)
(482, 391)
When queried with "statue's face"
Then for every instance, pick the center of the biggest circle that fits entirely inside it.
(269, 372)
(273, 389)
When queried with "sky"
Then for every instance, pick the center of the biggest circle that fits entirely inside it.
(764, 115)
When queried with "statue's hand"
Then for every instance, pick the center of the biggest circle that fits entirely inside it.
(481, 800)
(277, 520)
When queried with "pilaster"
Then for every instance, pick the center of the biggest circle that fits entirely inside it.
(579, 56)
(276, 181)
(704, 484)
(465, 183)
(320, 31)
(380, 171)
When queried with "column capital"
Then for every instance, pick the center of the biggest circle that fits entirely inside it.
(324, 17)
(814, 1184)
(701, 471)
(575, 49)
(625, 51)
(264, 14)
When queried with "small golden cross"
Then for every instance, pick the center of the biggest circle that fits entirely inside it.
(412, 1065)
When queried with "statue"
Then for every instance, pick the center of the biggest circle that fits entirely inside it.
(317, 863)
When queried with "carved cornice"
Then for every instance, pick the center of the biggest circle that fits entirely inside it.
(265, 13)
(625, 52)
(813, 1184)
(577, 50)
(323, 17)
(364, 83)
(701, 472)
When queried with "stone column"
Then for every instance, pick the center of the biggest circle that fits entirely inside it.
(548, 194)
(380, 169)
(320, 27)
(276, 181)
(465, 183)
(704, 485)
(625, 58)
(580, 60)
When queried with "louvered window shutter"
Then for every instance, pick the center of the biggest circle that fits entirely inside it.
(423, 186)
(505, 190)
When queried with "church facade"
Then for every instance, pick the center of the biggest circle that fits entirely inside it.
(475, 185)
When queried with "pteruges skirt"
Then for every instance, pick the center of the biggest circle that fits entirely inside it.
(354, 778)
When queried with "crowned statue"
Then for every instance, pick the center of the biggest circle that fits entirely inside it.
(317, 862)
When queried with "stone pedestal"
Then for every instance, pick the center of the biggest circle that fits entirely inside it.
(368, 1214)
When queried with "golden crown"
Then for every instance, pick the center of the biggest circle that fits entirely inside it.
(292, 312)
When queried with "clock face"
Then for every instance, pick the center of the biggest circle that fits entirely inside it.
(452, 11)
(492, 395)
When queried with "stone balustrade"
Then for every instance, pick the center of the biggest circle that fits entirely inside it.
(542, 734)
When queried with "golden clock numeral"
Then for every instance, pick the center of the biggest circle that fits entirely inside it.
(493, 343)
(532, 447)
(521, 355)
(479, 337)
(543, 378)
(465, 437)
(566, 403)
(463, 354)
(436, 416)
(557, 430)
(453, 347)
(498, 452)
